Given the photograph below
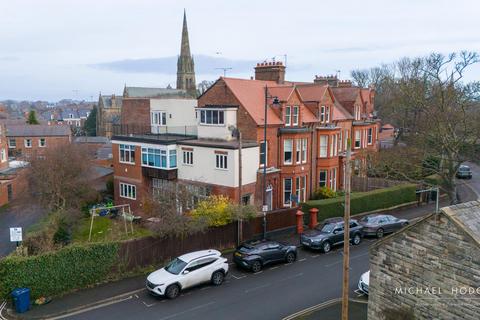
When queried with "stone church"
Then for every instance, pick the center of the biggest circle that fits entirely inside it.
(109, 108)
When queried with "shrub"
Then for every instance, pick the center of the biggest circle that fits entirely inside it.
(215, 209)
(324, 193)
(53, 273)
(363, 201)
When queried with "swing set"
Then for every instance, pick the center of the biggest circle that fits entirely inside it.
(101, 211)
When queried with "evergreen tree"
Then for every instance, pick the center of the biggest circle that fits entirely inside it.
(90, 126)
(32, 118)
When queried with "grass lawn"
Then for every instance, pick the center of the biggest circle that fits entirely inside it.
(106, 229)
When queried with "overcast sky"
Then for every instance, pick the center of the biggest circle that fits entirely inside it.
(75, 49)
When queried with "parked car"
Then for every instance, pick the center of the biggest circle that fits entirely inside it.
(363, 282)
(254, 255)
(464, 172)
(186, 271)
(330, 233)
(379, 224)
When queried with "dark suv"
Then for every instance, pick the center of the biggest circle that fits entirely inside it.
(254, 255)
(464, 172)
(330, 233)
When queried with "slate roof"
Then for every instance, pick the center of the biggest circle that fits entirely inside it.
(467, 217)
(38, 130)
(107, 101)
(142, 92)
(91, 140)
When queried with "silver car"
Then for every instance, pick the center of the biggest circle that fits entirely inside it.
(380, 224)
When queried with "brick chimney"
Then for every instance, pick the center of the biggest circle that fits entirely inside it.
(331, 80)
(345, 84)
(271, 71)
(114, 101)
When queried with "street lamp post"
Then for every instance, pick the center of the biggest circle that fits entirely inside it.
(264, 181)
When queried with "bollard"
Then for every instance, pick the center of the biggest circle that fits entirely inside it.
(313, 217)
(299, 215)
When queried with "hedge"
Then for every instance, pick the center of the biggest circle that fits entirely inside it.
(363, 201)
(72, 267)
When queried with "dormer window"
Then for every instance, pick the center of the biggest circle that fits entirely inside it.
(327, 114)
(295, 116)
(322, 114)
(357, 112)
(288, 116)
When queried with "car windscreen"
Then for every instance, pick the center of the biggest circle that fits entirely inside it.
(369, 219)
(328, 228)
(176, 266)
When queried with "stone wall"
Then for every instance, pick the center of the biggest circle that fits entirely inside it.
(434, 254)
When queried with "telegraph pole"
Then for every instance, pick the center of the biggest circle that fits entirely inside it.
(239, 222)
(346, 233)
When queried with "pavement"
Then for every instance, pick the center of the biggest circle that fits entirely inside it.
(273, 293)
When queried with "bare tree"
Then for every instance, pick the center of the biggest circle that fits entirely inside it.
(61, 178)
(437, 113)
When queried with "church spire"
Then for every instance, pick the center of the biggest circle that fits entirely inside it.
(185, 64)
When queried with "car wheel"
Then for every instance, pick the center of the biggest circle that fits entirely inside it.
(172, 291)
(405, 224)
(256, 266)
(380, 233)
(290, 257)
(217, 278)
(326, 247)
(356, 239)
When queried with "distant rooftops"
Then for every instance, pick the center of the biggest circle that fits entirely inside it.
(141, 92)
(28, 130)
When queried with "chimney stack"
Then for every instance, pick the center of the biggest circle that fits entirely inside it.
(345, 83)
(331, 80)
(270, 71)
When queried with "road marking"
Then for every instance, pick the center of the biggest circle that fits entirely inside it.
(205, 288)
(238, 278)
(308, 310)
(302, 259)
(258, 272)
(2, 306)
(273, 268)
(91, 308)
(187, 311)
(315, 256)
(256, 288)
(291, 277)
(148, 305)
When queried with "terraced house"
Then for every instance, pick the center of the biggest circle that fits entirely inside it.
(308, 126)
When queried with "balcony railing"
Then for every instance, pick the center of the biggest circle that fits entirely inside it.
(163, 174)
(153, 130)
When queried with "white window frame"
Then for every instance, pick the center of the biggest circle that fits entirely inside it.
(290, 143)
(40, 142)
(172, 155)
(340, 141)
(188, 157)
(322, 114)
(298, 150)
(10, 145)
(327, 114)
(288, 116)
(334, 178)
(204, 120)
(3, 155)
(300, 188)
(29, 144)
(323, 153)
(127, 150)
(265, 143)
(158, 118)
(358, 138)
(295, 114)
(304, 150)
(346, 139)
(128, 191)
(221, 161)
(287, 202)
(370, 136)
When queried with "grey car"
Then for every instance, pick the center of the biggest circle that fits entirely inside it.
(330, 233)
(380, 224)
(464, 172)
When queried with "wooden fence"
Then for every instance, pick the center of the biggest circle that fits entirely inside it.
(363, 184)
(152, 251)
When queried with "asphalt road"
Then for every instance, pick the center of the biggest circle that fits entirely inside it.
(274, 293)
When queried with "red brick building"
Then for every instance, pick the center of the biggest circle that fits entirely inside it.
(26, 141)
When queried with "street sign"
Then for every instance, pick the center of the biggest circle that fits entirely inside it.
(15, 234)
(265, 208)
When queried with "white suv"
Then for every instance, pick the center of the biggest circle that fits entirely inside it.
(187, 271)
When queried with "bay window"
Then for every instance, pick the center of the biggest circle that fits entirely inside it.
(323, 146)
(213, 117)
(288, 115)
(287, 191)
(287, 151)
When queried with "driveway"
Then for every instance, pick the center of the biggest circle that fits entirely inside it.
(16, 216)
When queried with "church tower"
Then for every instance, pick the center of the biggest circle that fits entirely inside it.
(185, 65)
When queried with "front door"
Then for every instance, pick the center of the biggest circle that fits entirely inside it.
(268, 197)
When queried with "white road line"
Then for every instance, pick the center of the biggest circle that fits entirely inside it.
(341, 261)
(91, 308)
(148, 305)
(238, 278)
(258, 272)
(187, 311)
(291, 277)
(256, 288)
(205, 288)
(315, 256)
(273, 268)
(302, 259)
